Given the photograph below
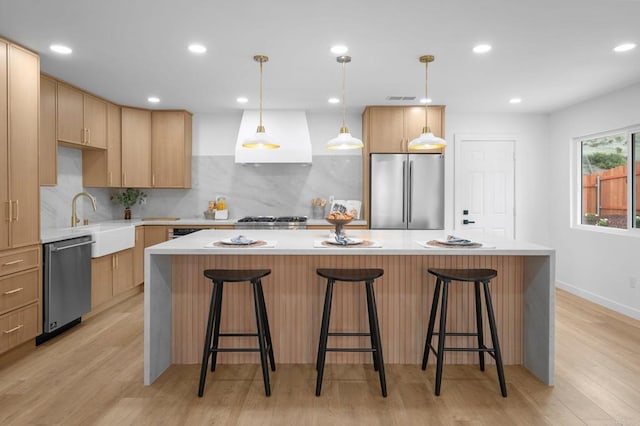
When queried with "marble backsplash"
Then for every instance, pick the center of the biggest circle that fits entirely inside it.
(264, 189)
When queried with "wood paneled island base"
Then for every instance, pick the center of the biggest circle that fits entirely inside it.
(294, 296)
(177, 297)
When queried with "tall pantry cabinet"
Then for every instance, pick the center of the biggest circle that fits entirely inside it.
(20, 257)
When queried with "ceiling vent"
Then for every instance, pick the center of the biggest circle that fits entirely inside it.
(400, 98)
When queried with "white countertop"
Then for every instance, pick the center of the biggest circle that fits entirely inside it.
(301, 242)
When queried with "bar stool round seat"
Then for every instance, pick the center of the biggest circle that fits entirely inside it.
(211, 344)
(443, 278)
(351, 275)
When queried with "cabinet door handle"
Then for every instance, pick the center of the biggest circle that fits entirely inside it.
(153, 180)
(13, 329)
(14, 291)
(88, 136)
(17, 210)
(10, 212)
(14, 262)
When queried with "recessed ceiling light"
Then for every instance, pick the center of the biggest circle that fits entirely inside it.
(58, 48)
(153, 99)
(425, 101)
(482, 48)
(197, 48)
(339, 50)
(334, 100)
(624, 47)
(242, 100)
(515, 100)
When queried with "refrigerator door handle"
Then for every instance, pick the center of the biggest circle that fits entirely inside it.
(404, 189)
(410, 189)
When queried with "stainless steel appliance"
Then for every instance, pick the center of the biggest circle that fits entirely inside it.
(180, 232)
(272, 222)
(407, 191)
(66, 284)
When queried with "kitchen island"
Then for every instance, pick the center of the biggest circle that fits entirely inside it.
(177, 296)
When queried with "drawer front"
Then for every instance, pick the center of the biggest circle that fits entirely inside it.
(18, 290)
(18, 326)
(19, 260)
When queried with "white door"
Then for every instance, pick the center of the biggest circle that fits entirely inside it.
(484, 185)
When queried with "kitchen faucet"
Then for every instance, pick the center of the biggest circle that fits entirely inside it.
(74, 216)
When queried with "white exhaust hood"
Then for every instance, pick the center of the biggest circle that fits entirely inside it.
(288, 128)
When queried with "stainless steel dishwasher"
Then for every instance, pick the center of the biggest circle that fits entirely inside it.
(66, 284)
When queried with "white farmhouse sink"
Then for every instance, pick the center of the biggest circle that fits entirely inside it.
(109, 238)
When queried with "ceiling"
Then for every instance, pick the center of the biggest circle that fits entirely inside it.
(550, 53)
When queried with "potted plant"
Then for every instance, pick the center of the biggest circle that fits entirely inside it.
(591, 218)
(128, 198)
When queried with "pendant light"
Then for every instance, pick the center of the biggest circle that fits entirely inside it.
(261, 139)
(426, 140)
(344, 139)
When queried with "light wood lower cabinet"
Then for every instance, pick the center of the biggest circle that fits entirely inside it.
(155, 234)
(110, 276)
(20, 296)
(138, 257)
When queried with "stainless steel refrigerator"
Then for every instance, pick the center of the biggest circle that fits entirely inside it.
(407, 191)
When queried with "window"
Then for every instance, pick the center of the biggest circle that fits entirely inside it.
(608, 198)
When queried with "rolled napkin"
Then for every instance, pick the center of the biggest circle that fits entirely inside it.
(342, 240)
(241, 239)
(457, 240)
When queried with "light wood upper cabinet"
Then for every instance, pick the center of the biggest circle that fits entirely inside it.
(136, 147)
(104, 168)
(19, 111)
(390, 129)
(48, 140)
(81, 118)
(171, 149)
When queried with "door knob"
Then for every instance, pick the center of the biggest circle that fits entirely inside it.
(466, 221)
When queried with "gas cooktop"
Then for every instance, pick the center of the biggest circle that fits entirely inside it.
(267, 219)
(272, 222)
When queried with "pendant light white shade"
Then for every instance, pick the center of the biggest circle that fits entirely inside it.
(426, 140)
(344, 140)
(260, 139)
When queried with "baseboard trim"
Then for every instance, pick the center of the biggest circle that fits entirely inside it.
(595, 298)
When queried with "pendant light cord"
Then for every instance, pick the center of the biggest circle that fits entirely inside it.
(426, 95)
(344, 105)
(261, 62)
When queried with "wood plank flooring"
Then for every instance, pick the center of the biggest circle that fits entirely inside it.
(93, 375)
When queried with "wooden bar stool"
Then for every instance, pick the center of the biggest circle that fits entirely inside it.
(351, 275)
(211, 348)
(477, 276)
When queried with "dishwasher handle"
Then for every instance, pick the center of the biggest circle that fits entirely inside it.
(54, 249)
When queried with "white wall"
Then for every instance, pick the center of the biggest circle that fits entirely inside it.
(531, 175)
(594, 265)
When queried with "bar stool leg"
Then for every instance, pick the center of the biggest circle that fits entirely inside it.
(324, 314)
(494, 338)
(207, 341)
(374, 351)
(432, 321)
(216, 324)
(479, 330)
(441, 336)
(261, 337)
(324, 335)
(376, 334)
(265, 320)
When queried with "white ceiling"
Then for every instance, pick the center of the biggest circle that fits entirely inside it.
(551, 53)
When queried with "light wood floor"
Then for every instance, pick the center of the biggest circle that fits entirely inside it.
(93, 375)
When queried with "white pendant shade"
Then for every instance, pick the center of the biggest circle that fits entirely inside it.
(345, 141)
(260, 140)
(427, 140)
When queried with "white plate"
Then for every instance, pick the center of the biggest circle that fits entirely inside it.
(228, 241)
(350, 242)
(457, 243)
